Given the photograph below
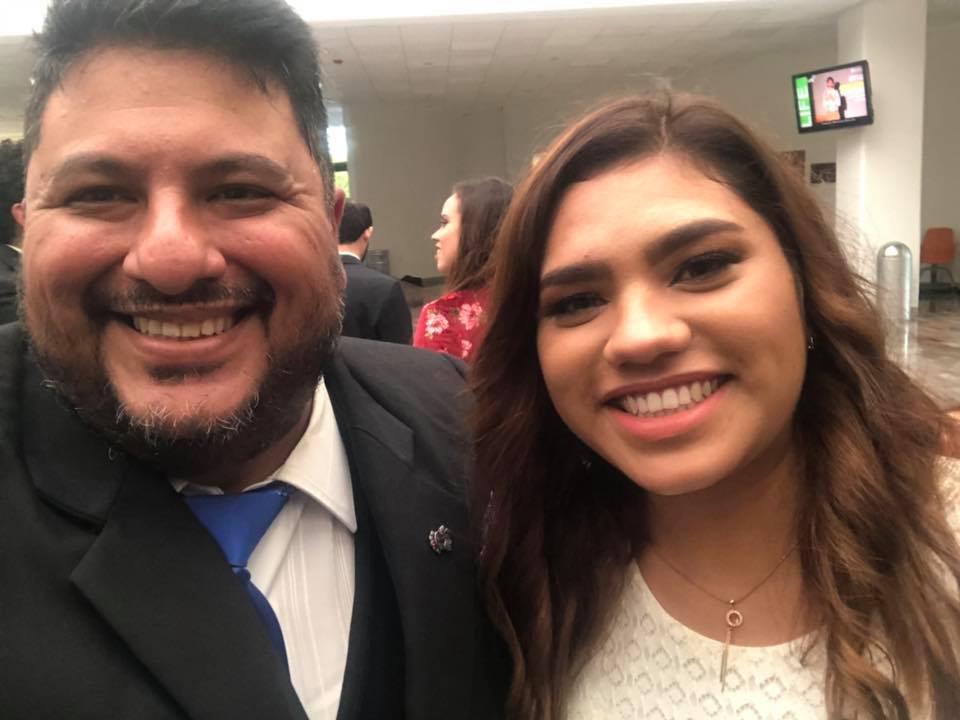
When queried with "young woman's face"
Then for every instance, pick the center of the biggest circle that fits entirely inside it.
(671, 338)
(447, 237)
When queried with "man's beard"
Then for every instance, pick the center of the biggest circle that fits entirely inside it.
(195, 446)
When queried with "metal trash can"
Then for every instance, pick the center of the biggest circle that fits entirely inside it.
(894, 281)
(378, 260)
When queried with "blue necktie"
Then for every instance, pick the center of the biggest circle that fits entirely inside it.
(237, 522)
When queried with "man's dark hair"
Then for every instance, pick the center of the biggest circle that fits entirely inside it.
(264, 37)
(356, 219)
(11, 187)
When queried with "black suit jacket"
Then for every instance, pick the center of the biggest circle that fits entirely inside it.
(9, 267)
(116, 603)
(376, 308)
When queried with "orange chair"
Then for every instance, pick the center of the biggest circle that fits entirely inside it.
(937, 251)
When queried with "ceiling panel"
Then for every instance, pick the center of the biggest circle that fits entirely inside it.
(495, 58)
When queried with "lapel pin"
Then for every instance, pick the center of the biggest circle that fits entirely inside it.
(441, 540)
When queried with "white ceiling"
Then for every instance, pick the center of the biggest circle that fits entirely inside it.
(497, 58)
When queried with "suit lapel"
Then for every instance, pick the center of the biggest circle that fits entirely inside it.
(154, 574)
(406, 500)
(161, 582)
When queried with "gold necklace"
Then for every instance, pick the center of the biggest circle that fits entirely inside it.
(734, 617)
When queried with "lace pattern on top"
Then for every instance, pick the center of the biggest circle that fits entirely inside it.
(652, 666)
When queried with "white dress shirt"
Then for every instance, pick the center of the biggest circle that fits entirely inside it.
(304, 564)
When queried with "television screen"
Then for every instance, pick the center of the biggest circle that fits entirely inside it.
(833, 97)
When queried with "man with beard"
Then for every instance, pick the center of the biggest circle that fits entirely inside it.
(209, 509)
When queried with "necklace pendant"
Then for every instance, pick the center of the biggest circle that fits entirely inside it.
(734, 620)
(723, 661)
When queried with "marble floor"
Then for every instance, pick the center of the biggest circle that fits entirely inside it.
(929, 349)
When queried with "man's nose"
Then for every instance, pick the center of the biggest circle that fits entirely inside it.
(174, 248)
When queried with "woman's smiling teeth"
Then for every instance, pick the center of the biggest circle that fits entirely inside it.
(164, 328)
(668, 401)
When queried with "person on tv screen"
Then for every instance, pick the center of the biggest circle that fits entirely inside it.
(833, 101)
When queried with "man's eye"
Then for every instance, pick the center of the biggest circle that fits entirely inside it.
(241, 192)
(572, 305)
(704, 267)
(98, 195)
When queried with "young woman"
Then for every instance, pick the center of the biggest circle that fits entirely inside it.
(468, 222)
(708, 491)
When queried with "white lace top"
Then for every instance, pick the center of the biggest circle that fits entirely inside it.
(651, 666)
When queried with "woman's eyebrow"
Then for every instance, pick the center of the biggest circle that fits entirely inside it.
(660, 249)
(588, 271)
(684, 235)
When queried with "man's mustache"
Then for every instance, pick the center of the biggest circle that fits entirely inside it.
(203, 292)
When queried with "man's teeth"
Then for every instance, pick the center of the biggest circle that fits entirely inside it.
(162, 328)
(670, 400)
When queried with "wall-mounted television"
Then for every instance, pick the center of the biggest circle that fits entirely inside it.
(833, 97)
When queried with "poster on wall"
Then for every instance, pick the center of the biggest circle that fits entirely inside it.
(823, 173)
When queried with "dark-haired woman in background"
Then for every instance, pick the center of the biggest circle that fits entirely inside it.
(709, 491)
(468, 223)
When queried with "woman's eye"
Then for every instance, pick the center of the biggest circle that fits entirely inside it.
(704, 267)
(572, 305)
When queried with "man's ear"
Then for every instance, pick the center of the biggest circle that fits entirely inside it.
(336, 210)
(19, 212)
(368, 233)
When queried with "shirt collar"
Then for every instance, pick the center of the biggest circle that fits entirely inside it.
(317, 466)
(15, 249)
(353, 255)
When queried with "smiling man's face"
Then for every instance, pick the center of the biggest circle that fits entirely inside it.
(181, 278)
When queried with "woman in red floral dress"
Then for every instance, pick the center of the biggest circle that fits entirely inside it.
(453, 323)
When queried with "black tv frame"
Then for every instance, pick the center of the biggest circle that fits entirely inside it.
(854, 122)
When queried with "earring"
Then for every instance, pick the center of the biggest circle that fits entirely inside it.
(811, 344)
(585, 455)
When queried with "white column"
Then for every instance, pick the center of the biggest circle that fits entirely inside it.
(879, 166)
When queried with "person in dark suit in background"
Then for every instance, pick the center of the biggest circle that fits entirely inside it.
(211, 505)
(11, 192)
(375, 307)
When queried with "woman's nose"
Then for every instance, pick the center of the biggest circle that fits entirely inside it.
(644, 329)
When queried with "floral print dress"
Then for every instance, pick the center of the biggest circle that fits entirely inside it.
(452, 323)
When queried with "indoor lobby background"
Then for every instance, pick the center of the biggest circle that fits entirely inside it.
(418, 103)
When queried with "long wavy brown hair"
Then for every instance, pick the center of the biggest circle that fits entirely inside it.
(483, 203)
(560, 527)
